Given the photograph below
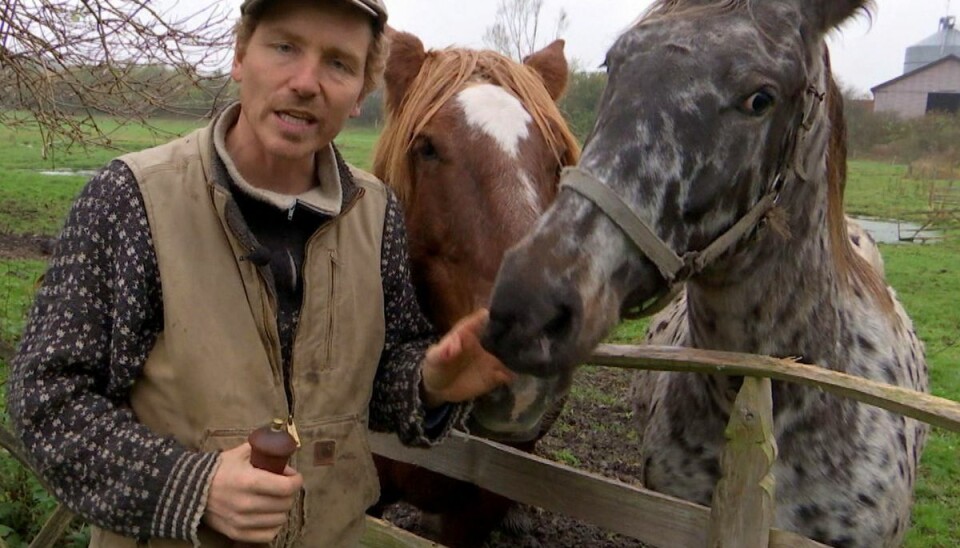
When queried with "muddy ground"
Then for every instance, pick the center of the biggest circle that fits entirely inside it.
(594, 434)
(25, 246)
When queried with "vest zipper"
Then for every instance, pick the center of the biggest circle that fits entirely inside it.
(287, 382)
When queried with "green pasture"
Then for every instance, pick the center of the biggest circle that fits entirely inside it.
(926, 277)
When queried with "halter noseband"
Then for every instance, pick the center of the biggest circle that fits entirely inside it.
(674, 268)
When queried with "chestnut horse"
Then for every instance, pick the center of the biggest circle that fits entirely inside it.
(710, 166)
(473, 147)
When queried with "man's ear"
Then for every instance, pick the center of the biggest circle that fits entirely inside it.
(236, 68)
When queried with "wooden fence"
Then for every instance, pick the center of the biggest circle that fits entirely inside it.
(941, 216)
(743, 505)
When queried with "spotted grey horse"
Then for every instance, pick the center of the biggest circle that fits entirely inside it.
(718, 161)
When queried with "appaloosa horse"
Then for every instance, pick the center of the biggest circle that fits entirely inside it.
(709, 164)
(473, 147)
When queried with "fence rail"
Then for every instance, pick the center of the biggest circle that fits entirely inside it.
(743, 507)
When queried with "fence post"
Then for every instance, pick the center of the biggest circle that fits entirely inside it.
(742, 511)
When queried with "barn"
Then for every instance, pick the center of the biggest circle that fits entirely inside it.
(931, 77)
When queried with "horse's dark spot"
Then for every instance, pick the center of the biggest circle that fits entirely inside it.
(847, 521)
(842, 542)
(711, 467)
(858, 291)
(902, 438)
(867, 500)
(889, 373)
(856, 240)
(662, 326)
(819, 535)
(902, 469)
(866, 344)
(800, 471)
(757, 313)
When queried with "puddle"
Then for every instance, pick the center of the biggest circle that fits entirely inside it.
(897, 232)
(69, 172)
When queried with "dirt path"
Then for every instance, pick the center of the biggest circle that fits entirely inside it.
(25, 246)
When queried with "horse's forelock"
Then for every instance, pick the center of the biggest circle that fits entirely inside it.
(443, 74)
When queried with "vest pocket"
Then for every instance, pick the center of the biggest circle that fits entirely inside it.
(339, 477)
(333, 293)
(224, 439)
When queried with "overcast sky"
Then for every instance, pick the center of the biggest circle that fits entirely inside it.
(864, 54)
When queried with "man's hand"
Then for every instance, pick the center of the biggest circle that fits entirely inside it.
(458, 369)
(248, 504)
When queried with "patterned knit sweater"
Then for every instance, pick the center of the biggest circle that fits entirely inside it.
(96, 317)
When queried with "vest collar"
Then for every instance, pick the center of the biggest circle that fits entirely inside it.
(326, 198)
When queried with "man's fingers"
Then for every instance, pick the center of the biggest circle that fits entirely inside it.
(273, 485)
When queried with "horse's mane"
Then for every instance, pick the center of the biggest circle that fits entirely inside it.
(676, 8)
(852, 267)
(443, 74)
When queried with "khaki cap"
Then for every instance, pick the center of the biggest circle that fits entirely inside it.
(374, 8)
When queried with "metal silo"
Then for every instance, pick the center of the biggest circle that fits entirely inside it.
(943, 43)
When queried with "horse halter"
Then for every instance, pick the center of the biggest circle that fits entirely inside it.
(676, 269)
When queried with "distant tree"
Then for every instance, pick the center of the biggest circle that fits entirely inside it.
(62, 62)
(580, 103)
(371, 111)
(516, 28)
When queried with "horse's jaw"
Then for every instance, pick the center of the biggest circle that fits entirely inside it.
(521, 411)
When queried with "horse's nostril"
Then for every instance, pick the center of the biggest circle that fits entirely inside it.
(559, 327)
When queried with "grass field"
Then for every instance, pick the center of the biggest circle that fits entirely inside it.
(926, 277)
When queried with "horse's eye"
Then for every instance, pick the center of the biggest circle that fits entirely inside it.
(424, 148)
(758, 103)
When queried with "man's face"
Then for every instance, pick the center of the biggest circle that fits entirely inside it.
(300, 75)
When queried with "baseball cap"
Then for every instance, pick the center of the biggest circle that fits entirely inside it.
(374, 8)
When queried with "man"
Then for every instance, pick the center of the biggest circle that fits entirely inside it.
(242, 273)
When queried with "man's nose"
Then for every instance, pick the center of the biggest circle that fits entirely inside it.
(305, 80)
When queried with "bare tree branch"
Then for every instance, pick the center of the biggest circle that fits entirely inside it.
(515, 30)
(66, 63)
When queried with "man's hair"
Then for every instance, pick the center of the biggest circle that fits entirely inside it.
(376, 54)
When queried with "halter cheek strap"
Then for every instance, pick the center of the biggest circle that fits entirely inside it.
(674, 268)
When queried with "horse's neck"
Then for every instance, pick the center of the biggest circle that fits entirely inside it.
(779, 296)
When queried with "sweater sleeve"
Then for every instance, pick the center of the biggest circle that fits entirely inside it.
(396, 405)
(95, 318)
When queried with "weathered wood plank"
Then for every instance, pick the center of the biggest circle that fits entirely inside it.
(382, 534)
(786, 539)
(54, 528)
(743, 501)
(10, 442)
(924, 407)
(651, 517)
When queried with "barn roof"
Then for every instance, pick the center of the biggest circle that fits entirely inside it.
(948, 59)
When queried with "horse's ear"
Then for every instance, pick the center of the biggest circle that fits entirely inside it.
(403, 64)
(551, 65)
(829, 14)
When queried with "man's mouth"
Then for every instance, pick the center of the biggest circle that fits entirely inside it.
(296, 118)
